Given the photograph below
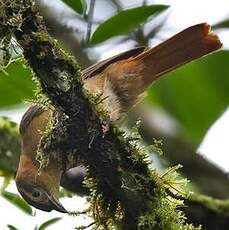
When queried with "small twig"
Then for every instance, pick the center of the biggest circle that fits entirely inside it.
(144, 2)
(85, 227)
(117, 4)
(90, 20)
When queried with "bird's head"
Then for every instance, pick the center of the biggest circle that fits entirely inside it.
(39, 188)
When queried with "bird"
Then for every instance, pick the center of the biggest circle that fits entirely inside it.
(121, 80)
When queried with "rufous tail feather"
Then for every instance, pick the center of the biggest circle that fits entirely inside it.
(190, 44)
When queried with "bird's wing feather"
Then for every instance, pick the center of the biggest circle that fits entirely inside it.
(100, 66)
(33, 111)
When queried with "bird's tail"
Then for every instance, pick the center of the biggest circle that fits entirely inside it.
(136, 74)
(191, 43)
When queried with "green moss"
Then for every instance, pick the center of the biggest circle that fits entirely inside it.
(162, 208)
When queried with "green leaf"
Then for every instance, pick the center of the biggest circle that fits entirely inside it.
(76, 5)
(16, 85)
(18, 202)
(195, 94)
(221, 25)
(49, 222)
(11, 227)
(125, 22)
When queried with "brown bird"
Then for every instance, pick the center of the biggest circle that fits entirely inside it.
(121, 80)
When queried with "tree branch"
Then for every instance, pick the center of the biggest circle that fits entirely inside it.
(63, 33)
(208, 178)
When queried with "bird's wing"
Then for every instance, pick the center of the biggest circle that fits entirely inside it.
(33, 111)
(100, 66)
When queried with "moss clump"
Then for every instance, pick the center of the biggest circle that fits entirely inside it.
(148, 194)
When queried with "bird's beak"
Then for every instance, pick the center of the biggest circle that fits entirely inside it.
(56, 205)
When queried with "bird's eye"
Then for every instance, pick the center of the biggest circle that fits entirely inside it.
(36, 194)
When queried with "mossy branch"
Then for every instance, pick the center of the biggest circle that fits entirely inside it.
(126, 194)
